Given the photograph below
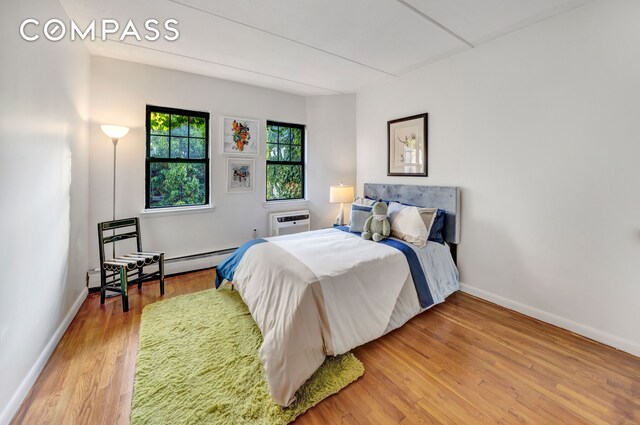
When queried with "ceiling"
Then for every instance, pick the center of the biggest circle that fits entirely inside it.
(310, 47)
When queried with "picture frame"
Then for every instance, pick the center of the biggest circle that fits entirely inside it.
(240, 136)
(407, 145)
(240, 175)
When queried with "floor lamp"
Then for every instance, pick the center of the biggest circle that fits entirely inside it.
(115, 133)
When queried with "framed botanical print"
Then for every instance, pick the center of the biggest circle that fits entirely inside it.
(240, 136)
(240, 175)
(407, 146)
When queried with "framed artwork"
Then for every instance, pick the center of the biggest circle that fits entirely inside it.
(240, 175)
(407, 146)
(240, 136)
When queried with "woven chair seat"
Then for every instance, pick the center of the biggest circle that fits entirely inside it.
(132, 261)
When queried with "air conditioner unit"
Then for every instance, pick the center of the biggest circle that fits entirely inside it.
(286, 223)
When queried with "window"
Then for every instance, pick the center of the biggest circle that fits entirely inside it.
(177, 166)
(285, 161)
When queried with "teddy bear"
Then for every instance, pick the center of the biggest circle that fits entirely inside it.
(377, 226)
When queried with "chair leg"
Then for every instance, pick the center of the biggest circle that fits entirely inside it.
(139, 276)
(124, 283)
(161, 269)
(103, 281)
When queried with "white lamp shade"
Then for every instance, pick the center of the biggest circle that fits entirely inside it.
(341, 194)
(114, 131)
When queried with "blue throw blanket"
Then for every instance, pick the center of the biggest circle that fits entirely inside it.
(228, 267)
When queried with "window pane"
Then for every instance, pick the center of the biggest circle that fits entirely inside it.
(272, 134)
(285, 152)
(159, 123)
(175, 184)
(272, 152)
(179, 125)
(173, 137)
(179, 147)
(296, 153)
(296, 136)
(197, 148)
(197, 127)
(284, 182)
(159, 147)
(284, 135)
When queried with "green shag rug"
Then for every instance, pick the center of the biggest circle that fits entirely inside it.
(198, 363)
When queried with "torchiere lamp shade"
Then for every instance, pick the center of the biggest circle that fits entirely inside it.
(114, 131)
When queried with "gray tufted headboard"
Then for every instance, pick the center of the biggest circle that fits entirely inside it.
(443, 197)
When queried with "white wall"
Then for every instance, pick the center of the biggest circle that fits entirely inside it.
(540, 129)
(119, 92)
(44, 110)
(332, 144)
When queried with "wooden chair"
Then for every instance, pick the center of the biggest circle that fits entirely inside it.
(116, 273)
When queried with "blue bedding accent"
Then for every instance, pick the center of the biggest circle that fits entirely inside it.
(228, 267)
(417, 274)
(437, 228)
(419, 279)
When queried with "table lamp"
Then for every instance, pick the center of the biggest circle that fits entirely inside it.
(340, 195)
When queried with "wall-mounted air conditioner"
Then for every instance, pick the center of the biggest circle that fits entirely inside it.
(286, 223)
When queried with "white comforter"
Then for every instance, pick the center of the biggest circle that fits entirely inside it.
(325, 292)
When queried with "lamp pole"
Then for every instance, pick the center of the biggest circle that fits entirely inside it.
(115, 145)
(114, 132)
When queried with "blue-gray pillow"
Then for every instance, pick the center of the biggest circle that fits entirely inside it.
(359, 214)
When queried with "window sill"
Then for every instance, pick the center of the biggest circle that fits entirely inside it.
(163, 212)
(284, 204)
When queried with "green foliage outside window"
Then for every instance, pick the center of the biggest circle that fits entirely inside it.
(285, 161)
(178, 163)
(174, 185)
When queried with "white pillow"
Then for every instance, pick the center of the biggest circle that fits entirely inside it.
(411, 224)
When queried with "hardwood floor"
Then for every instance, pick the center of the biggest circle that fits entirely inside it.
(465, 361)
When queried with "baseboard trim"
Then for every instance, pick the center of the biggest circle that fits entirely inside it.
(25, 386)
(561, 322)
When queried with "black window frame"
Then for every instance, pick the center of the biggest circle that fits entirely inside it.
(149, 160)
(303, 142)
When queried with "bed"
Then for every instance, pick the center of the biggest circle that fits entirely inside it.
(325, 292)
